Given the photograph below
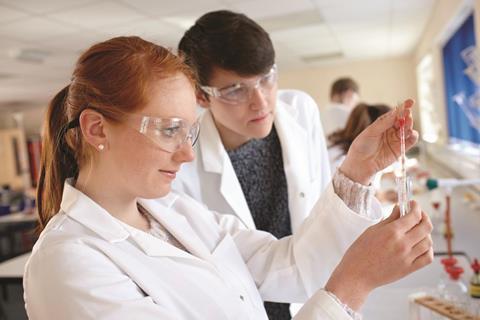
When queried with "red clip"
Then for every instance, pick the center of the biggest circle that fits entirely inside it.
(475, 266)
(454, 272)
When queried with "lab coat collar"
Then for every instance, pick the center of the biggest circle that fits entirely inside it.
(84, 210)
(87, 212)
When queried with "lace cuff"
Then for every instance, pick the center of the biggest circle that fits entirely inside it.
(355, 195)
(352, 313)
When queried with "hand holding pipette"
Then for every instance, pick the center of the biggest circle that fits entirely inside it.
(400, 245)
(379, 145)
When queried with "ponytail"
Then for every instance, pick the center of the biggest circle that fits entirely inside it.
(57, 161)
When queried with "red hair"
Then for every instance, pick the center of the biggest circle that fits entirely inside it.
(112, 77)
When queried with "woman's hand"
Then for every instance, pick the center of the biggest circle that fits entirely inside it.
(384, 253)
(378, 145)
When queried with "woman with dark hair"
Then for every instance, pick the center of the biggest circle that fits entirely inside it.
(360, 118)
(116, 244)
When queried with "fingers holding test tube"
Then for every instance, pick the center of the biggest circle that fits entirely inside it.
(378, 146)
(383, 253)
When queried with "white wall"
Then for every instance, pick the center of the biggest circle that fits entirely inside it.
(386, 81)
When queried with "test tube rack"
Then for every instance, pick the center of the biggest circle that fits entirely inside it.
(444, 308)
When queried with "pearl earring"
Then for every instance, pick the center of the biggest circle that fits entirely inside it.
(101, 147)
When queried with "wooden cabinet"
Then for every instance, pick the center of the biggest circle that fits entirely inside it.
(14, 168)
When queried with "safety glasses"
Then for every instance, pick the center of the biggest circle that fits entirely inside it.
(240, 93)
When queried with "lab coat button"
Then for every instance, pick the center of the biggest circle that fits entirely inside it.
(302, 195)
(242, 298)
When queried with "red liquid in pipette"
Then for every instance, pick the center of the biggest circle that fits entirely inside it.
(403, 197)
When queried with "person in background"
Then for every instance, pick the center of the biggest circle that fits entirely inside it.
(261, 154)
(344, 96)
(118, 244)
(340, 141)
(360, 118)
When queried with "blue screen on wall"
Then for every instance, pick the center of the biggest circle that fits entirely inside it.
(462, 91)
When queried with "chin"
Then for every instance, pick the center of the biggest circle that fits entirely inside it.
(262, 135)
(264, 131)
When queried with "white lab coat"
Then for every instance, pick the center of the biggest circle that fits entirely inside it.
(89, 265)
(211, 178)
(335, 117)
(336, 155)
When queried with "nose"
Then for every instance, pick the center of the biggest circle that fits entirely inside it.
(185, 153)
(258, 99)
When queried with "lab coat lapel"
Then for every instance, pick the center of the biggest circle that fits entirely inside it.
(216, 160)
(87, 212)
(178, 226)
(154, 247)
(293, 139)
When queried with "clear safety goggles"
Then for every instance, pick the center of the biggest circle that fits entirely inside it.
(169, 134)
(239, 93)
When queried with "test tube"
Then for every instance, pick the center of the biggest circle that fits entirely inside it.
(404, 189)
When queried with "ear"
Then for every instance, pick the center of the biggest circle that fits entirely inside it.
(202, 99)
(92, 125)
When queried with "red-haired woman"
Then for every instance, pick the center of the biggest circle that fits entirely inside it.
(110, 249)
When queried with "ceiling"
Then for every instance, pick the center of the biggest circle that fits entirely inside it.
(40, 40)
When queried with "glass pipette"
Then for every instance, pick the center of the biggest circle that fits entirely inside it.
(403, 182)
